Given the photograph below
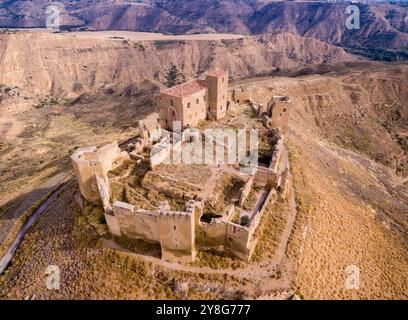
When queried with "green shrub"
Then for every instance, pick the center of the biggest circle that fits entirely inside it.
(244, 220)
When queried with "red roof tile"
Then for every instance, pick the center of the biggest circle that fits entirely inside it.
(186, 89)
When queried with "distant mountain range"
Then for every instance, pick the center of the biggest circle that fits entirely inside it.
(382, 25)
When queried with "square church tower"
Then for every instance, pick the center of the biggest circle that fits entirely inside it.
(217, 84)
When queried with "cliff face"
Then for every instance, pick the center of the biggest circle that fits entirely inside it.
(382, 25)
(64, 65)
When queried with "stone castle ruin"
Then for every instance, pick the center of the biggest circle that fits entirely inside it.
(182, 207)
(274, 112)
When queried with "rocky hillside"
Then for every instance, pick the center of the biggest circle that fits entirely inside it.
(61, 64)
(347, 140)
(351, 210)
(382, 25)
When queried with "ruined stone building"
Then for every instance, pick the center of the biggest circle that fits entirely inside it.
(183, 207)
(179, 231)
(194, 101)
(277, 113)
(273, 111)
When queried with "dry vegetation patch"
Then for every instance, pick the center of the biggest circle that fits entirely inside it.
(270, 231)
(217, 260)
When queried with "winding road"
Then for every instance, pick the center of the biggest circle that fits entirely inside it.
(6, 259)
(8, 256)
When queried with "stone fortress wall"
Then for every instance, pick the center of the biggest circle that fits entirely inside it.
(273, 111)
(174, 230)
(180, 233)
(92, 162)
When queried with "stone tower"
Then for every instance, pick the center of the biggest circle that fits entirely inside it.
(92, 162)
(217, 84)
(278, 112)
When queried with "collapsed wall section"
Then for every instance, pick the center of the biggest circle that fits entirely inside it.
(235, 239)
(278, 112)
(148, 125)
(212, 234)
(245, 190)
(241, 95)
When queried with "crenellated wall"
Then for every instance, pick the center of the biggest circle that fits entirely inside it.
(177, 235)
(174, 230)
(178, 232)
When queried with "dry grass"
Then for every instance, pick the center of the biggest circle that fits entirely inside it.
(351, 211)
(4, 145)
(251, 199)
(227, 186)
(270, 231)
(217, 260)
(335, 230)
(19, 223)
(139, 246)
(94, 216)
(90, 272)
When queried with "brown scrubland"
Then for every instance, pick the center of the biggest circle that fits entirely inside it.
(347, 143)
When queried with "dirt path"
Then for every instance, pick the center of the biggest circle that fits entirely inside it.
(26, 198)
(37, 193)
(120, 35)
(245, 273)
(6, 259)
(150, 36)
